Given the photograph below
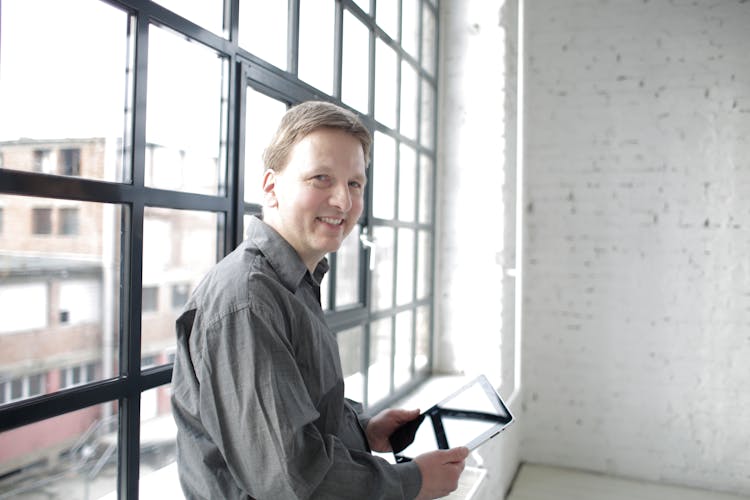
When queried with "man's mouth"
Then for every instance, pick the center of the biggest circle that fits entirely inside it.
(331, 220)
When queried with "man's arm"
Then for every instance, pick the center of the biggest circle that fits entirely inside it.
(257, 410)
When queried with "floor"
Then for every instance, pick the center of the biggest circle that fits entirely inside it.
(538, 482)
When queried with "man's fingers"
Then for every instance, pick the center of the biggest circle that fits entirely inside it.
(456, 454)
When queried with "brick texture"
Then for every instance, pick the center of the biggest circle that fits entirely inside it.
(637, 299)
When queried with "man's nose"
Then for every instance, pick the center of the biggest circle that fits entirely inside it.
(341, 198)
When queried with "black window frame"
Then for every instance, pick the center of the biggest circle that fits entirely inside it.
(245, 70)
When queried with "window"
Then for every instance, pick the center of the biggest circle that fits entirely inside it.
(150, 298)
(70, 161)
(41, 220)
(23, 387)
(68, 221)
(157, 185)
(180, 294)
(43, 161)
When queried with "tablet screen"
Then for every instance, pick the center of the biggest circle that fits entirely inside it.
(468, 417)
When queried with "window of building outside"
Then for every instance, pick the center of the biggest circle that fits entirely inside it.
(68, 221)
(70, 161)
(41, 220)
(135, 182)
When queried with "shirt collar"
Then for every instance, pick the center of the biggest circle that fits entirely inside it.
(281, 255)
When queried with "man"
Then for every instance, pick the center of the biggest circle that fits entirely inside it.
(258, 393)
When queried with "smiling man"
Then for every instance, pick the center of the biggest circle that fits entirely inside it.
(258, 393)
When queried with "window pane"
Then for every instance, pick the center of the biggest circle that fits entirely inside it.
(350, 348)
(405, 274)
(263, 30)
(427, 119)
(70, 456)
(409, 26)
(385, 84)
(59, 295)
(424, 265)
(208, 14)
(422, 354)
(158, 468)
(41, 220)
(179, 247)
(185, 143)
(426, 174)
(68, 223)
(262, 117)
(316, 37)
(355, 66)
(383, 176)
(364, 5)
(409, 108)
(44, 102)
(403, 356)
(347, 271)
(387, 17)
(407, 185)
(382, 272)
(379, 369)
(325, 290)
(429, 47)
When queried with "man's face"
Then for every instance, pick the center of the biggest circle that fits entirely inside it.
(317, 199)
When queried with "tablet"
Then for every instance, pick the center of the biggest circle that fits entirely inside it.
(468, 417)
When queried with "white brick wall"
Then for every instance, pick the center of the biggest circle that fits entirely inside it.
(636, 355)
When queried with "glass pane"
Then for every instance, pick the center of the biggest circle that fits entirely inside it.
(382, 273)
(185, 134)
(263, 30)
(364, 5)
(350, 348)
(316, 37)
(44, 102)
(407, 185)
(409, 26)
(325, 290)
(405, 275)
(179, 248)
(347, 270)
(70, 456)
(409, 108)
(383, 176)
(379, 369)
(424, 265)
(208, 14)
(355, 79)
(158, 468)
(422, 354)
(426, 174)
(429, 47)
(385, 83)
(427, 119)
(386, 17)
(262, 117)
(403, 356)
(59, 302)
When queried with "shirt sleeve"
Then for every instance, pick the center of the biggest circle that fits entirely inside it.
(255, 406)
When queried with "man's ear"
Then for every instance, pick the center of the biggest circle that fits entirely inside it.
(269, 189)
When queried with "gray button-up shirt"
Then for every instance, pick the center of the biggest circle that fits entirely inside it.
(258, 394)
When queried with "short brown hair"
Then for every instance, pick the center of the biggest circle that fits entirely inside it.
(304, 118)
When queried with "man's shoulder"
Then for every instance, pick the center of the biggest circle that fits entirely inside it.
(244, 278)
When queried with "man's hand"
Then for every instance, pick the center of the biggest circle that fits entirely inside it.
(440, 471)
(382, 425)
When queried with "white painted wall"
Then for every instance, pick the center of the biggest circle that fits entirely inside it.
(637, 303)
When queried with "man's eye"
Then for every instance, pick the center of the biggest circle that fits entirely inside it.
(355, 185)
(321, 179)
